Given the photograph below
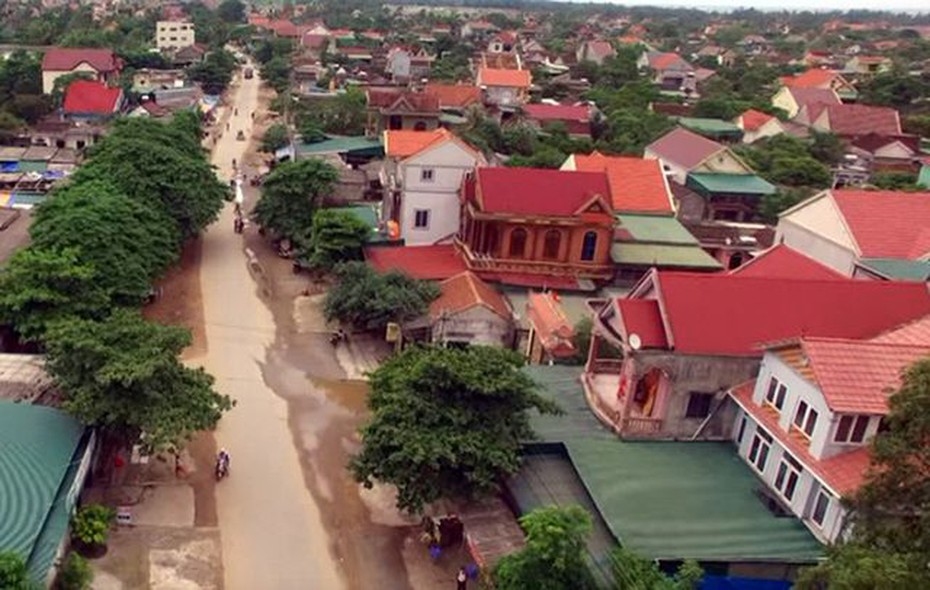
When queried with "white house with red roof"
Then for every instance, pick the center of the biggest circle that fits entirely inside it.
(849, 120)
(794, 99)
(575, 118)
(757, 125)
(821, 78)
(422, 173)
(504, 87)
(100, 64)
(804, 424)
(865, 234)
(595, 50)
(670, 70)
(686, 339)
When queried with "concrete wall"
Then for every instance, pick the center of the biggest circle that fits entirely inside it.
(701, 374)
(477, 325)
(173, 34)
(49, 76)
(817, 230)
(448, 163)
(723, 161)
(504, 95)
(785, 101)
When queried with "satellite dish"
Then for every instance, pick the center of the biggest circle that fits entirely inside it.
(635, 341)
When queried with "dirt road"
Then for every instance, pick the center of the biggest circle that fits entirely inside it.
(272, 533)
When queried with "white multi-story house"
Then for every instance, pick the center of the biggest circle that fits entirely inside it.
(170, 35)
(805, 423)
(422, 174)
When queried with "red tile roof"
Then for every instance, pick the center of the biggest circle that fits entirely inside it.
(59, 59)
(887, 224)
(814, 78)
(753, 119)
(465, 291)
(668, 61)
(643, 318)
(684, 148)
(814, 96)
(562, 112)
(843, 473)
(314, 41)
(600, 49)
(419, 262)
(91, 97)
(393, 100)
(733, 315)
(783, 262)
(498, 77)
(554, 330)
(855, 376)
(454, 95)
(860, 119)
(535, 191)
(637, 185)
(914, 332)
(402, 144)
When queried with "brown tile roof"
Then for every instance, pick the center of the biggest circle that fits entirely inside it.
(454, 95)
(59, 59)
(464, 291)
(684, 148)
(860, 119)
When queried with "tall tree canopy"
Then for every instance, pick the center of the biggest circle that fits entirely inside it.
(161, 166)
(337, 236)
(369, 300)
(554, 556)
(446, 423)
(290, 196)
(123, 375)
(127, 243)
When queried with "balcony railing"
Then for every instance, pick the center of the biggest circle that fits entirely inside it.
(478, 261)
(640, 426)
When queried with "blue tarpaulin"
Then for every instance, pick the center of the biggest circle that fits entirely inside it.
(733, 583)
(9, 166)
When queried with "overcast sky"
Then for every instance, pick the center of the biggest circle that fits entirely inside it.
(902, 5)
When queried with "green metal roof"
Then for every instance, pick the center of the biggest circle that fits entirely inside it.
(898, 269)
(923, 179)
(742, 184)
(711, 127)
(339, 145)
(655, 229)
(38, 446)
(669, 255)
(668, 500)
(367, 214)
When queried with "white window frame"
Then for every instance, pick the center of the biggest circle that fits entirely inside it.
(776, 393)
(808, 419)
(855, 420)
(759, 449)
(789, 473)
(828, 499)
(427, 175)
(416, 218)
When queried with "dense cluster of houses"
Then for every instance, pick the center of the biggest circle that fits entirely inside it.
(708, 326)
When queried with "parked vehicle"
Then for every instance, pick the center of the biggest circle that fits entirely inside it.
(248, 73)
(241, 135)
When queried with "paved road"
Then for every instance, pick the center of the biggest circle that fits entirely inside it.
(271, 529)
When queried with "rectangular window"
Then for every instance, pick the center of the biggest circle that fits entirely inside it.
(786, 480)
(805, 419)
(699, 405)
(821, 505)
(759, 451)
(742, 431)
(776, 394)
(851, 429)
(426, 175)
(421, 218)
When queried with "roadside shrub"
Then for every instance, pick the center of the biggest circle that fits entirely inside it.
(75, 574)
(91, 524)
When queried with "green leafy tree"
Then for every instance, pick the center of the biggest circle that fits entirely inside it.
(337, 236)
(446, 423)
(275, 138)
(91, 524)
(554, 556)
(896, 88)
(546, 156)
(75, 574)
(14, 575)
(290, 195)
(174, 176)
(853, 566)
(895, 181)
(123, 375)
(215, 72)
(632, 572)
(231, 11)
(917, 124)
(128, 244)
(39, 287)
(826, 148)
(370, 300)
(277, 73)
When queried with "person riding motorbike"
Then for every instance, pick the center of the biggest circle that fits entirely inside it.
(222, 463)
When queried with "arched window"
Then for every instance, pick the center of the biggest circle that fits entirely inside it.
(589, 246)
(552, 244)
(490, 240)
(419, 126)
(517, 243)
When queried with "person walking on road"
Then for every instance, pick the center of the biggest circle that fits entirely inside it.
(461, 580)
